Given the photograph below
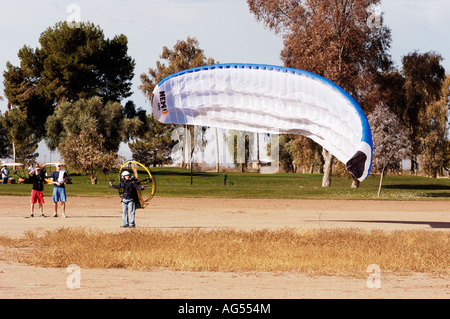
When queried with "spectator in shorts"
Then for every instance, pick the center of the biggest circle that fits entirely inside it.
(37, 193)
(59, 178)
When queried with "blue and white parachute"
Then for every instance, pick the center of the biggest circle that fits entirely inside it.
(269, 99)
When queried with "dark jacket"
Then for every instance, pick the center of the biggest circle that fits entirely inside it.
(129, 189)
(38, 181)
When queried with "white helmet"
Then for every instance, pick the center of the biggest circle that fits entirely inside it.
(124, 173)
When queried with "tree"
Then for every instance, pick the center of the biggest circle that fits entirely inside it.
(86, 152)
(306, 153)
(446, 164)
(184, 55)
(106, 118)
(424, 77)
(434, 142)
(20, 134)
(390, 141)
(241, 145)
(333, 39)
(286, 155)
(392, 93)
(71, 64)
(5, 145)
(154, 147)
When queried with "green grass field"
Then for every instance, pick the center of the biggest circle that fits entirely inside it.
(176, 182)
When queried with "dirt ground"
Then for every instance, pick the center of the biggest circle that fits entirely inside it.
(23, 281)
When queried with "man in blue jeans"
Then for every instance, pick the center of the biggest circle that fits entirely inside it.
(59, 178)
(128, 204)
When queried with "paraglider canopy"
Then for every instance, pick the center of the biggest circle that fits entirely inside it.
(269, 99)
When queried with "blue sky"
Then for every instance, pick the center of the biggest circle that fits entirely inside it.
(225, 29)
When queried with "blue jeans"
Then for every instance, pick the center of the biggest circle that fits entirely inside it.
(59, 194)
(129, 209)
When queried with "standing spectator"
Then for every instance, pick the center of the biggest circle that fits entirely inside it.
(59, 178)
(5, 174)
(37, 193)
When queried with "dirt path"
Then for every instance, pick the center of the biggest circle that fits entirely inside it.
(22, 281)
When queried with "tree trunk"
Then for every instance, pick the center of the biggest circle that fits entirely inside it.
(327, 168)
(14, 151)
(217, 152)
(355, 182)
(183, 148)
(187, 147)
(258, 162)
(381, 181)
(412, 164)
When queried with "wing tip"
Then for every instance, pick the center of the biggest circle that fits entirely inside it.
(359, 165)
